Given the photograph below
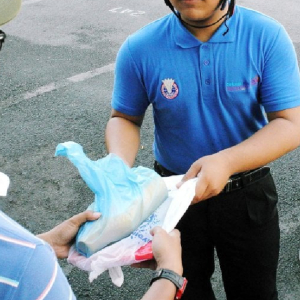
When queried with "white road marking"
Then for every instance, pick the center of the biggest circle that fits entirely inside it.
(57, 85)
(30, 2)
(91, 74)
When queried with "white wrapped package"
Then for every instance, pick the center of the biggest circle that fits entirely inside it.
(123, 220)
(124, 252)
(125, 197)
(137, 246)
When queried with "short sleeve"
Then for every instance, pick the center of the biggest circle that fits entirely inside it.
(129, 93)
(280, 86)
(43, 278)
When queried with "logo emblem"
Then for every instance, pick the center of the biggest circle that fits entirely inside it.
(239, 86)
(169, 89)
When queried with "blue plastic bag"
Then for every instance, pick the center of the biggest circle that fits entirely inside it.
(125, 197)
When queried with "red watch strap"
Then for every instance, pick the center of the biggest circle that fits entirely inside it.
(181, 290)
(179, 281)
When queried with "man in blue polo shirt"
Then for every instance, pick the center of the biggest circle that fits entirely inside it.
(224, 85)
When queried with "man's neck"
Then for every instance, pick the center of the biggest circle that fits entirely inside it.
(203, 33)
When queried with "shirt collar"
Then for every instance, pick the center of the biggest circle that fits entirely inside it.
(185, 39)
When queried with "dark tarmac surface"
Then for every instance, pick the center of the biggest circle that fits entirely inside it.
(55, 85)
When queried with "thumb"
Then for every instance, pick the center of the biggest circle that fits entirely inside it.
(87, 215)
(191, 173)
(156, 230)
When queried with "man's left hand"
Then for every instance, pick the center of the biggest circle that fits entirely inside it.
(213, 173)
(62, 236)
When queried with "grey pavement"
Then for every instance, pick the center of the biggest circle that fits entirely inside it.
(56, 81)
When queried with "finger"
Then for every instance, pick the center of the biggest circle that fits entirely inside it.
(156, 230)
(202, 198)
(197, 199)
(92, 215)
(191, 173)
(175, 233)
(87, 215)
(200, 190)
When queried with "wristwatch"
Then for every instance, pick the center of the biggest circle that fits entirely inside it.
(178, 280)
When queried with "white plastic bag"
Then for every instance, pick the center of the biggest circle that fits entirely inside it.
(137, 247)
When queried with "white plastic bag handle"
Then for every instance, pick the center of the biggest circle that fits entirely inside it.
(4, 184)
(179, 205)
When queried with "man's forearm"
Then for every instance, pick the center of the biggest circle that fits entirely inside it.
(274, 140)
(123, 138)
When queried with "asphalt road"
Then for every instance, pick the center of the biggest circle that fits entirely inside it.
(55, 85)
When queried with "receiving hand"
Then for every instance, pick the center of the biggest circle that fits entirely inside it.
(166, 249)
(213, 173)
(62, 236)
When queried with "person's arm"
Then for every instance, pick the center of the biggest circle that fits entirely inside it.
(167, 253)
(122, 136)
(280, 136)
(61, 237)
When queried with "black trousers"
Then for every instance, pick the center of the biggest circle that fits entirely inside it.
(242, 227)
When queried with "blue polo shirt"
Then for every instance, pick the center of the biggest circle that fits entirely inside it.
(206, 96)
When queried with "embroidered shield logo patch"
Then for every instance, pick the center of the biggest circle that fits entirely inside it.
(169, 89)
